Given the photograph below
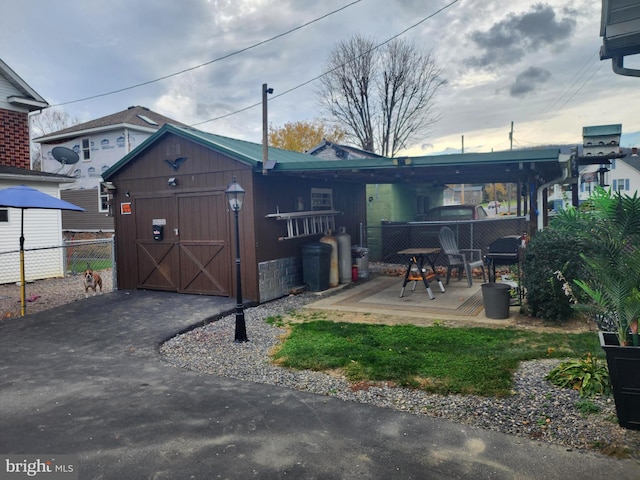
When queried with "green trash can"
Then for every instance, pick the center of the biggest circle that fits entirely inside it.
(316, 262)
(496, 298)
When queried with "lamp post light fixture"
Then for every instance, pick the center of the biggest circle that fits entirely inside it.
(235, 194)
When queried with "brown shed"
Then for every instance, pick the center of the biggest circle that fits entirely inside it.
(174, 184)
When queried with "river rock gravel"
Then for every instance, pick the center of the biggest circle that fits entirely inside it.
(536, 410)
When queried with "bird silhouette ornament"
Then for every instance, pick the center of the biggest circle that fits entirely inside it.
(175, 164)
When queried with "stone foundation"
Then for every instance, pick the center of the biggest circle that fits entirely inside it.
(278, 277)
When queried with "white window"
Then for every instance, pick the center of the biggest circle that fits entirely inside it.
(86, 149)
(620, 184)
(103, 201)
(321, 199)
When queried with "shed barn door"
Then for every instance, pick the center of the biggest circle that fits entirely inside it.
(193, 255)
(158, 267)
(205, 262)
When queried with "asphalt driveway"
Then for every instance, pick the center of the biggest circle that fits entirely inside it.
(87, 379)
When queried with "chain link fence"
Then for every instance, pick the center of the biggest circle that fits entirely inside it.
(385, 241)
(54, 275)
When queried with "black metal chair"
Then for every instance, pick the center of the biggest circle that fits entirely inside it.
(462, 259)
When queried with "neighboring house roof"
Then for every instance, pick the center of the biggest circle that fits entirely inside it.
(20, 174)
(599, 130)
(136, 117)
(30, 99)
(456, 168)
(340, 152)
(633, 162)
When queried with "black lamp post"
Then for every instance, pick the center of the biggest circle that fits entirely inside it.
(235, 195)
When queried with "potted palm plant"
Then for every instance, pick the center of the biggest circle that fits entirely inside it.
(612, 224)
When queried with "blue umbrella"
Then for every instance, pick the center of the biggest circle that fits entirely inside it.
(24, 197)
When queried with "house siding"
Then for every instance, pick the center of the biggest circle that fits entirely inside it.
(91, 220)
(42, 228)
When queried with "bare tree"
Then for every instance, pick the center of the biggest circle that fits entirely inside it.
(44, 123)
(384, 97)
(345, 92)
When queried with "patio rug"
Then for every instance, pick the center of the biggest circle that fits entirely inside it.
(383, 294)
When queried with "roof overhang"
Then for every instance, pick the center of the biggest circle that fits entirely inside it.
(500, 167)
(28, 103)
(30, 99)
(32, 176)
(90, 131)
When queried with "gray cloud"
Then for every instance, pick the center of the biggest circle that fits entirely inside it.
(527, 81)
(510, 39)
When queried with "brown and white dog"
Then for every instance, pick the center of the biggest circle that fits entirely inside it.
(91, 282)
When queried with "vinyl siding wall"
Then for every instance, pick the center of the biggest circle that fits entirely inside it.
(90, 221)
(42, 228)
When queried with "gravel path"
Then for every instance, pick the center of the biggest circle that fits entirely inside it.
(536, 410)
(45, 294)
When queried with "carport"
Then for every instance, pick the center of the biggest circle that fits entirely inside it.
(531, 170)
(150, 191)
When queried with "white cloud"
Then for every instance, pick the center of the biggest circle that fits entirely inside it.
(68, 50)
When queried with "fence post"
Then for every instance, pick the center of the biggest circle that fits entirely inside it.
(114, 268)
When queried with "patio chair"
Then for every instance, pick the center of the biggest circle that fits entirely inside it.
(462, 259)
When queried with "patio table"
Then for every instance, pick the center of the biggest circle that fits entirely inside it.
(418, 257)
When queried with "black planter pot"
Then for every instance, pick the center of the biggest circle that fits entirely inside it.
(624, 370)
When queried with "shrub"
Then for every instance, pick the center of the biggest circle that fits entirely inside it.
(588, 376)
(549, 251)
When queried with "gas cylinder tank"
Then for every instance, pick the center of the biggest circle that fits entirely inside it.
(334, 274)
(344, 255)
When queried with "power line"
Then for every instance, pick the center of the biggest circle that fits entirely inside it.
(332, 70)
(577, 76)
(224, 57)
(567, 100)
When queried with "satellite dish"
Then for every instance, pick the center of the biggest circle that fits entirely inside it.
(65, 155)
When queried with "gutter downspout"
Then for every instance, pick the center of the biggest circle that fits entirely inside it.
(565, 174)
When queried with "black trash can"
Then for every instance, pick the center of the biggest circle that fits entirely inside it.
(316, 262)
(496, 298)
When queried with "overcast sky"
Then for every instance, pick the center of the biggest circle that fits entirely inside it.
(534, 64)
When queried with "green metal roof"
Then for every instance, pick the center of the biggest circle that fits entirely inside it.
(246, 152)
(455, 168)
(598, 130)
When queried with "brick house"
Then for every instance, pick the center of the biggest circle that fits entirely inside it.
(17, 99)
(42, 228)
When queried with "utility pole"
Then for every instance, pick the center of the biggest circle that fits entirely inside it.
(265, 128)
(462, 184)
(511, 137)
(509, 185)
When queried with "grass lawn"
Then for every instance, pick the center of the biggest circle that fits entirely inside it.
(98, 264)
(437, 359)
